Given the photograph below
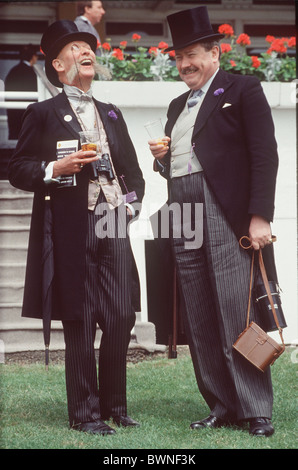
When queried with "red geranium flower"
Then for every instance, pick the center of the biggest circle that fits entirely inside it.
(226, 29)
(153, 50)
(136, 37)
(243, 40)
(225, 47)
(233, 63)
(269, 38)
(292, 42)
(163, 45)
(255, 61)
(277, 46)
(118, 53)
(106, 46)
(123, 44)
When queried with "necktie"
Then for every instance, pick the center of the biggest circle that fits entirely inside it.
(194, 99)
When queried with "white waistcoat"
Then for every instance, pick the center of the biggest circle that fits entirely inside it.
(183, 157)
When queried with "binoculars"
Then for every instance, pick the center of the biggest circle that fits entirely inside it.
(103, 165)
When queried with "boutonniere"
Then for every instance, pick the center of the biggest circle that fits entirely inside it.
(219, 91)
(113, 115)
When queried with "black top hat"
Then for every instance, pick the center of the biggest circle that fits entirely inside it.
(55, 38)
(191, 26)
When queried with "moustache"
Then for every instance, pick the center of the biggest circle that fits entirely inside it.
(103, 72)
(188, 70)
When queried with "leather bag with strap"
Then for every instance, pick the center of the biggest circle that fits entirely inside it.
(254, 343)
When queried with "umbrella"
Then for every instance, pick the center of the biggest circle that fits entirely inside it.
(173, 345)
(47, 276)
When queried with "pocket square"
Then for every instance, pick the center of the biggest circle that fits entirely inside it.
(226, 105)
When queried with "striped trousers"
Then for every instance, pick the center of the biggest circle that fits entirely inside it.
(214, 288)
(107, 304)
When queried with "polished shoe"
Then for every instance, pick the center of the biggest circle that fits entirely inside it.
(124, 421)
(209, 422)
(94, 427)
(261, 427)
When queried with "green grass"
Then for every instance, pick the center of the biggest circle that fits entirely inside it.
(162, 396)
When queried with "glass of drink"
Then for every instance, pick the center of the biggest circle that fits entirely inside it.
(90, 140)
(156, 131)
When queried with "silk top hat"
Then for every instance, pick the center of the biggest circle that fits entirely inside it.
(57, 35)
(191, 26)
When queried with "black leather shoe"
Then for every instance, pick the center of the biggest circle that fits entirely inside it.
(94, 427)
(209, 422)
(261, 427)
(124, 421)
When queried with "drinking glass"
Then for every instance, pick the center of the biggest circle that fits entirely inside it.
(156, 131)
(90, 140)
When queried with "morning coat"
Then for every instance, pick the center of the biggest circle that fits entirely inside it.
(44, 125)
(233, 138)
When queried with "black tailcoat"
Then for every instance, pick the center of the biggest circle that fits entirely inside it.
(233, 138)
(43, 126)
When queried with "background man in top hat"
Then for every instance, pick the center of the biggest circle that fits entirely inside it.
(222, 153)
(92, 274)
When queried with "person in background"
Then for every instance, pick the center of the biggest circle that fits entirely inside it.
(89, 14)
(93, 271)
(22, 77)
(220, 153)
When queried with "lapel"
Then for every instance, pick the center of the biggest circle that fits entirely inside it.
(64, 110)
(175, 110)
(103, 110)
(212, 101)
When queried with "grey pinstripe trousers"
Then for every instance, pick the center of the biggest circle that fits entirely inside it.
(214, 288)
(108, 304)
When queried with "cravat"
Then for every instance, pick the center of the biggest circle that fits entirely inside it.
(85, 100)
(80, 100)
(194, 99)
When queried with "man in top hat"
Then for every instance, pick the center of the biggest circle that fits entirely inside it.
(92, 269)
(221, 152)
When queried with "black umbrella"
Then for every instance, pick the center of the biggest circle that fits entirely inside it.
(47, 276)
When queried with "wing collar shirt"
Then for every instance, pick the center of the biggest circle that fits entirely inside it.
(88, 116)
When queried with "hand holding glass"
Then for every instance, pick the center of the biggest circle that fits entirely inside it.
(156, 132)
(90, 140)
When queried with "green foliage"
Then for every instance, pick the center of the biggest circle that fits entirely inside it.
(154, 64)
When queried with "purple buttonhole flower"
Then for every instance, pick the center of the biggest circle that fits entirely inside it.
(218, 92)
(112, 115)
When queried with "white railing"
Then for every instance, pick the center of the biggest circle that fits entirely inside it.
(17, 95)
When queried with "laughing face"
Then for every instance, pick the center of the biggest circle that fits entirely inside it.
(196, 65)
(75, 65)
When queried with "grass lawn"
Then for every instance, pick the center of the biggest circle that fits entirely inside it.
(162, 396)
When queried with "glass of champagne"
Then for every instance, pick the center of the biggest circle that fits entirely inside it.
(90, 140)
(156, 131)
